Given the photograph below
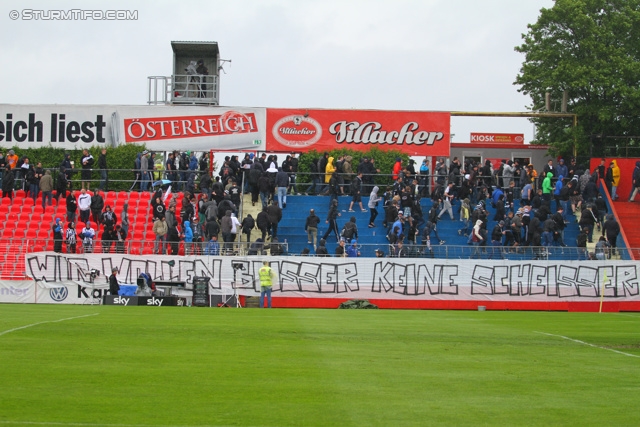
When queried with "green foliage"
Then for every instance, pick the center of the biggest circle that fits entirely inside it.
(121, 157)
(590, 49)
(383, 161)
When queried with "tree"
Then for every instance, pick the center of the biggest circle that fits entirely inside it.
(591, 50)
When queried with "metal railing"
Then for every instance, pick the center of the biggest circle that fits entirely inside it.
(282, 248)
(14, 251)
(183, 89)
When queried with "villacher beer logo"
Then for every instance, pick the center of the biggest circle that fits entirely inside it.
(297, 131)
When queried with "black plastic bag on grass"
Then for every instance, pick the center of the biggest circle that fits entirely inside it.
(358, 304)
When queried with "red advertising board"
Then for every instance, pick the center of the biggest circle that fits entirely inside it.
(507, 138)
(413, 132)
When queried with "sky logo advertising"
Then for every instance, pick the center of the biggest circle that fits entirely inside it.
(121, 301)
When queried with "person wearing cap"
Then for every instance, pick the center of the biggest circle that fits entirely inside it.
(87, 235)
(267, 276)
(114, 286)
(352, 250)
(57, 236)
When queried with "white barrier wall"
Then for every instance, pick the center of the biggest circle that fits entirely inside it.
(345, 278)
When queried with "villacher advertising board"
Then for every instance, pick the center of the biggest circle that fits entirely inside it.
(413, 132)
(160, 128)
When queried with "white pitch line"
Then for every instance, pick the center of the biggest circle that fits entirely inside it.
(589, 344)
(39, 423)
(628, 315)
(46, 321)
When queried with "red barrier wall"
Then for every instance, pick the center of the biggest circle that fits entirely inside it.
(594, 306)
(626, 172)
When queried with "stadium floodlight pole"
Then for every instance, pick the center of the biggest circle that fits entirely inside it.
(520, 114)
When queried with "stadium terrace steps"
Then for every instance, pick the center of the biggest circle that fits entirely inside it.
(627, 215)
(23, 215)
(294, 217)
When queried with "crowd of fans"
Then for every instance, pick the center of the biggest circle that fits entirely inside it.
(210, 206)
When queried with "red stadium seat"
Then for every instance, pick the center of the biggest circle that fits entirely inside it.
(15, 207)
(147, 248)
(135, 248)
(20, 194)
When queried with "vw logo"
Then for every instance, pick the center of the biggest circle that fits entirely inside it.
(58, 294)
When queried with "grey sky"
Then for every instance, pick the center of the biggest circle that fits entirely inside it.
(407, 55)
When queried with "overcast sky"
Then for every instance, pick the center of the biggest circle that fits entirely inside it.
(441, 55)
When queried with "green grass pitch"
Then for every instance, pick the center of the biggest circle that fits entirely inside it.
(173, 366)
